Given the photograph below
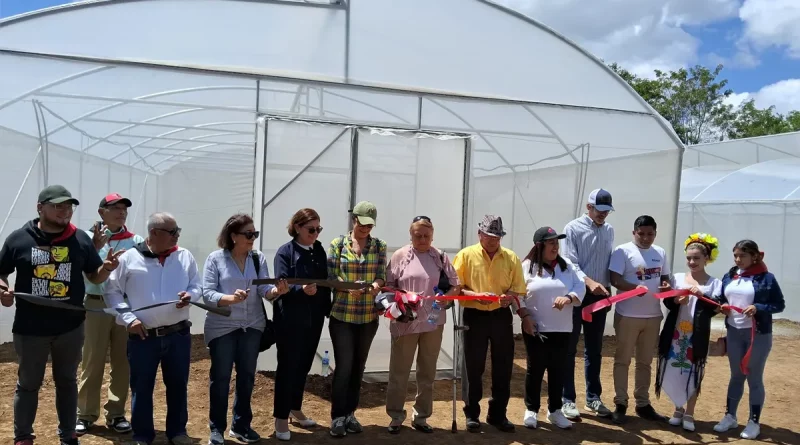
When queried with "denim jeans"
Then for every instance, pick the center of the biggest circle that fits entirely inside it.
(738, 342)
(173, 353)
(592, 355)
(32, 352)
(239, 347)
(351, 343)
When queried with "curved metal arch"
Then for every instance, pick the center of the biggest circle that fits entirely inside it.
(69, 78)
(172, 144)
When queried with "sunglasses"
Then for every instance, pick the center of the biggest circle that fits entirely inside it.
(313, 230)
(420, 218)
(250, 235)
(173, 232)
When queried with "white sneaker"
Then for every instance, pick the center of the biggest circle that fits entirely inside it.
(558, 419)
(677, 417)
(751, 431)
(530, 420)
(688, 423)
(727, 423)
(570, 411)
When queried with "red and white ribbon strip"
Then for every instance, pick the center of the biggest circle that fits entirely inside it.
(586, 312)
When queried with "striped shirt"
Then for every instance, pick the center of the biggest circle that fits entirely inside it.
(345, 265)
(589, 248)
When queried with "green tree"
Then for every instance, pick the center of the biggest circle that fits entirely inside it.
(793, 120)
(691, 100)
(750, 121)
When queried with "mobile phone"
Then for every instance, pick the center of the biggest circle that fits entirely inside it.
(97, 226)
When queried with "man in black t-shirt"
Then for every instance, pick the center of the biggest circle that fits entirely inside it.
(50, 257)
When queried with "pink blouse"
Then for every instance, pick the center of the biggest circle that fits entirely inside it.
(415, 271)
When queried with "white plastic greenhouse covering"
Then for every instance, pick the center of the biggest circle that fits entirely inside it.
(211, 107)
(746, 189)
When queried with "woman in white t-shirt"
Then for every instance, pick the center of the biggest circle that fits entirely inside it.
(683, 344)
(553, 288)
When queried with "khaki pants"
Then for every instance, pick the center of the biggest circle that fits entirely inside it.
(403, 349)
(102, 332)
(641, 335)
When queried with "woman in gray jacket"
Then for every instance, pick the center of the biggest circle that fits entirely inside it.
(226, 282)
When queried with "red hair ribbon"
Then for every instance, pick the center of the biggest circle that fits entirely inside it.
(684, 292)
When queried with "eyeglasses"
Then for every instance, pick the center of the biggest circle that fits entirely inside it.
(250, 235)
(173, 232)
(420, 218)
(313, 230)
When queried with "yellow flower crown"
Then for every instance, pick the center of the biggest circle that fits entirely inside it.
(707, 240)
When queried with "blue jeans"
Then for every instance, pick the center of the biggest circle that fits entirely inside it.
(173, 353)
(239, 347)
(592, 355)
(738, 342)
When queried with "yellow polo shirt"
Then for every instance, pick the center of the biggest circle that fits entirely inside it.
(480, 273)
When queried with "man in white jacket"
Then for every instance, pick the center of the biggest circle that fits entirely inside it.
(157, 271)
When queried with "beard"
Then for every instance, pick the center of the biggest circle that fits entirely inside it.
(57, 223)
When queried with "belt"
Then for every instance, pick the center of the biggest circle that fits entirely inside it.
(94, 297)
(161, 331)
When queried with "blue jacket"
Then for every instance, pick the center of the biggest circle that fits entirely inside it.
(768, 299)
(293, 261)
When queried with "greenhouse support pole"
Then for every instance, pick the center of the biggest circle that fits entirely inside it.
(19, 192)
(255, 148)
(677, 195)
(140, 201)
(783, 246)
(353, 173)
(465, 198)
(347, 41)
(261, 206)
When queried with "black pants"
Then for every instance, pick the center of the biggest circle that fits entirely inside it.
(486, 327)
(351, 343)
(297, 342)
(549, 354)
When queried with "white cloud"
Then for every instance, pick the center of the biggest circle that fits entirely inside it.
(640, 35)
(784, 95)
(772, 23)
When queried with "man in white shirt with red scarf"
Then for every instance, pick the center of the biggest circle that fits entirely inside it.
(157, 271)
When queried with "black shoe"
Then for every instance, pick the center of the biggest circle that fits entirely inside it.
(422, 427)
(352, 425)
(648, 413)
(504, 425)
(71, 440)
(618, 416)
(82, 426)
(394, 429)
(338, 428)
(473, 425)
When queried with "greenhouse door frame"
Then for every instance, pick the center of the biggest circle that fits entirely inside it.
(260, 165)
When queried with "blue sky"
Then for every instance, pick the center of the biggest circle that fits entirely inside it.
(758, 41)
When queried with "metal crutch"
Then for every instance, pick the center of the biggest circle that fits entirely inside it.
(456, 340)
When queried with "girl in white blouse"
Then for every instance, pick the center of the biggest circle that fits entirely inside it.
(553, 288)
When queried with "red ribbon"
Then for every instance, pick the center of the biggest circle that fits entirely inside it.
(492, 298)
(587, 311)
(684, 292)
(68, 232)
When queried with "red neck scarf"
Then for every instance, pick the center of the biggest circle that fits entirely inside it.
(163, 256)
(755, 269)
(68, 232)
(122, 234)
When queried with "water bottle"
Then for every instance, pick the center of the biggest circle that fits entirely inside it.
(436, 310)
(325, 364)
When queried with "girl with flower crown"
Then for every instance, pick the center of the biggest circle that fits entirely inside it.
(684, 342)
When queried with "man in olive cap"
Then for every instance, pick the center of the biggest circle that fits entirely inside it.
(50, 257)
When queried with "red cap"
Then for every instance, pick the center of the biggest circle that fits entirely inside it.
(113, 198)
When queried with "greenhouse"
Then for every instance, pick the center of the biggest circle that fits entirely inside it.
(269, 106)
(746, 189)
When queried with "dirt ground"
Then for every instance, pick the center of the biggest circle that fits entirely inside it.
(778, 425)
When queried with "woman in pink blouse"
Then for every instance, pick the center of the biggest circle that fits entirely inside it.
(417, 268)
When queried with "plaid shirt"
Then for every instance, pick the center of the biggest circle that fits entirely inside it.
(343, 264)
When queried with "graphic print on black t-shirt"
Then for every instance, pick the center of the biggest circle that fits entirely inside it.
(51, 271)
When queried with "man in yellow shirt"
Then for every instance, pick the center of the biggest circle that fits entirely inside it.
(487, 268)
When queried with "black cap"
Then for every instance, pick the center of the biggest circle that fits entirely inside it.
(545, 233)
(114, 198)
(56, 194)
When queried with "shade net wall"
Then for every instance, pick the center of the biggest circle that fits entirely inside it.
(205, 146)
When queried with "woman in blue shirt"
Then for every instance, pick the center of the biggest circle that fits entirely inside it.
(227, 275)
(299, 317)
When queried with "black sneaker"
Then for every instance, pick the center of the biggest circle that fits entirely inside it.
(504, 425)
(245, 435)
(473, 425)
(120, 425)
(338, 428)
(648, 413)
(71, 441)
(82, 427)
(352, 425)
(618, 416)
